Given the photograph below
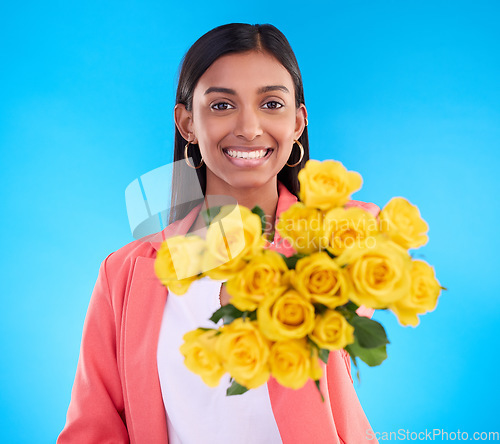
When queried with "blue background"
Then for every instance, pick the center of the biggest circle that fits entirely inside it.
(407, 93)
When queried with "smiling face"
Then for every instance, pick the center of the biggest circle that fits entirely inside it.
(244, 120)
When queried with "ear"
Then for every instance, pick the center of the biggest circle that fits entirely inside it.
(184, 122)
(300, 120)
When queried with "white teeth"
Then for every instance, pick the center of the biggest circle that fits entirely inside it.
(247, 155)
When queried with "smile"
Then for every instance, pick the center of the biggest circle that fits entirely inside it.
(257, 154)
(242, 158)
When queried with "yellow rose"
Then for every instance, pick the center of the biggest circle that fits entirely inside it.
(233, 237)
(198, 350)
(320, 279)
(285, 315)
(302, 227)
(264, 273)
(178, 262)
(332, 331)
(344, 227)
(421, 298)
(379, 270)
(327, 184)
(402, 223)
(292, 363)
(244, 351)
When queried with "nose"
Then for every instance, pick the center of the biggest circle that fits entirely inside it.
(248, 124)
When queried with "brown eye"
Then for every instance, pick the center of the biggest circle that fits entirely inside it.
(273, 104)
(221, 106)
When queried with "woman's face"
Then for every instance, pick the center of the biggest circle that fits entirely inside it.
(244, 120)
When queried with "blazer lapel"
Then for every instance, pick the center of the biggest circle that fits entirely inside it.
(143, 313)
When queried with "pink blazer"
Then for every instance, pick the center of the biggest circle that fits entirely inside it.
(116, 396)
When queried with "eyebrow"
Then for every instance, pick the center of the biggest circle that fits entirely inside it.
(261, 90)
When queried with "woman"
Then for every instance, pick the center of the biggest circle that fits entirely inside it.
(241, 126)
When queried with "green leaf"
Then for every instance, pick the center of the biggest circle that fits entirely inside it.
(369, 333)
(250, 315)
(236, 389)
(329, 253)
(209, 214)
(351, 306)
(355, 362)
(319, 390)
(312, 346)
(371, 356)
(228, 312)
(260, 212)
(292, 260)
(353, 357)
(323, 355)
(217, 315)
(320, 308)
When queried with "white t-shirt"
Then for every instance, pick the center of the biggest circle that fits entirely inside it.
(195, 412)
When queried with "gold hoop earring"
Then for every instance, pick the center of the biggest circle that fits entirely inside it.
(186, 157)
(301, 154)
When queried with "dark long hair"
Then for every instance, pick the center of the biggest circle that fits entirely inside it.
(229, 39)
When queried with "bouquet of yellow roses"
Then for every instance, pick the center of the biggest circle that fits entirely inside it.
(288, 313)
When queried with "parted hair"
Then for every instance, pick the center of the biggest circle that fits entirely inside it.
(230, 39)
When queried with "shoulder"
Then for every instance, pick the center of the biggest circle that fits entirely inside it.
(119, 266)
(127, 255)
(124, 259)
(117, 269)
